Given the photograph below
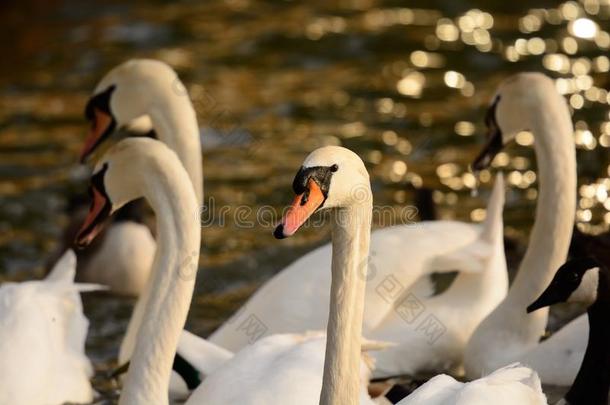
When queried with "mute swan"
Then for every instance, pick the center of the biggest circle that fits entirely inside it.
(42, 339)
(157, 175)
(509, 334)
(588, 282)
(268, 372)
(292, 301)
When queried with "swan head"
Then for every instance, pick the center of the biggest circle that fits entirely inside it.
(577, 280)
(120, 176)
(514, 107)
(124, 97)
(330, 177)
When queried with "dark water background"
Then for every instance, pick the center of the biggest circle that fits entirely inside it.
(404, 84)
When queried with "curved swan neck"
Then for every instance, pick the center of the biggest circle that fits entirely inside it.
(170, 193)
(175, 122)
(555, 210)
(129, 340)
(350, 242)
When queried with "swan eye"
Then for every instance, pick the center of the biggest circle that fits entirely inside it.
(334, 168)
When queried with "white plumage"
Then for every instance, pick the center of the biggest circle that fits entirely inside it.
(42, 340)
(283, 368)
(510, 385)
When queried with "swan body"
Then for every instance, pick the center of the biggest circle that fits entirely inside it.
(293, 301)
(312, 368)
(510, 385)
(558, 358)
(509, 334)
(434, 337)
(42, 340)
(275, 369)
(122, 261)
(203, 358)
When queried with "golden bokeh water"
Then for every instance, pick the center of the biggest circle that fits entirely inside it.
(406, 87)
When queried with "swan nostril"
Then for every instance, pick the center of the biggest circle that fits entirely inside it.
(305, 197)
(279, 232)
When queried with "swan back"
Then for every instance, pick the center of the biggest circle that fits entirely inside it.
(283, 368)
(124, 258)
(42, 340)
(513, 384)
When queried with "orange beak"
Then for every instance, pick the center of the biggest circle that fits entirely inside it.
(100, 127)
(303, 206)
(98, 212)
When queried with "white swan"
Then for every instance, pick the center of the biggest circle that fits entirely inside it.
(157, 175)
(279, 368)
(42, 339)
(530, 101)
(585, 281)
(284, 304)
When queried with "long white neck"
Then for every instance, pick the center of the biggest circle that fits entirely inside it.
(129, 340)
(552, 231)
(175, 122)
(171, 195)
(350, 241)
